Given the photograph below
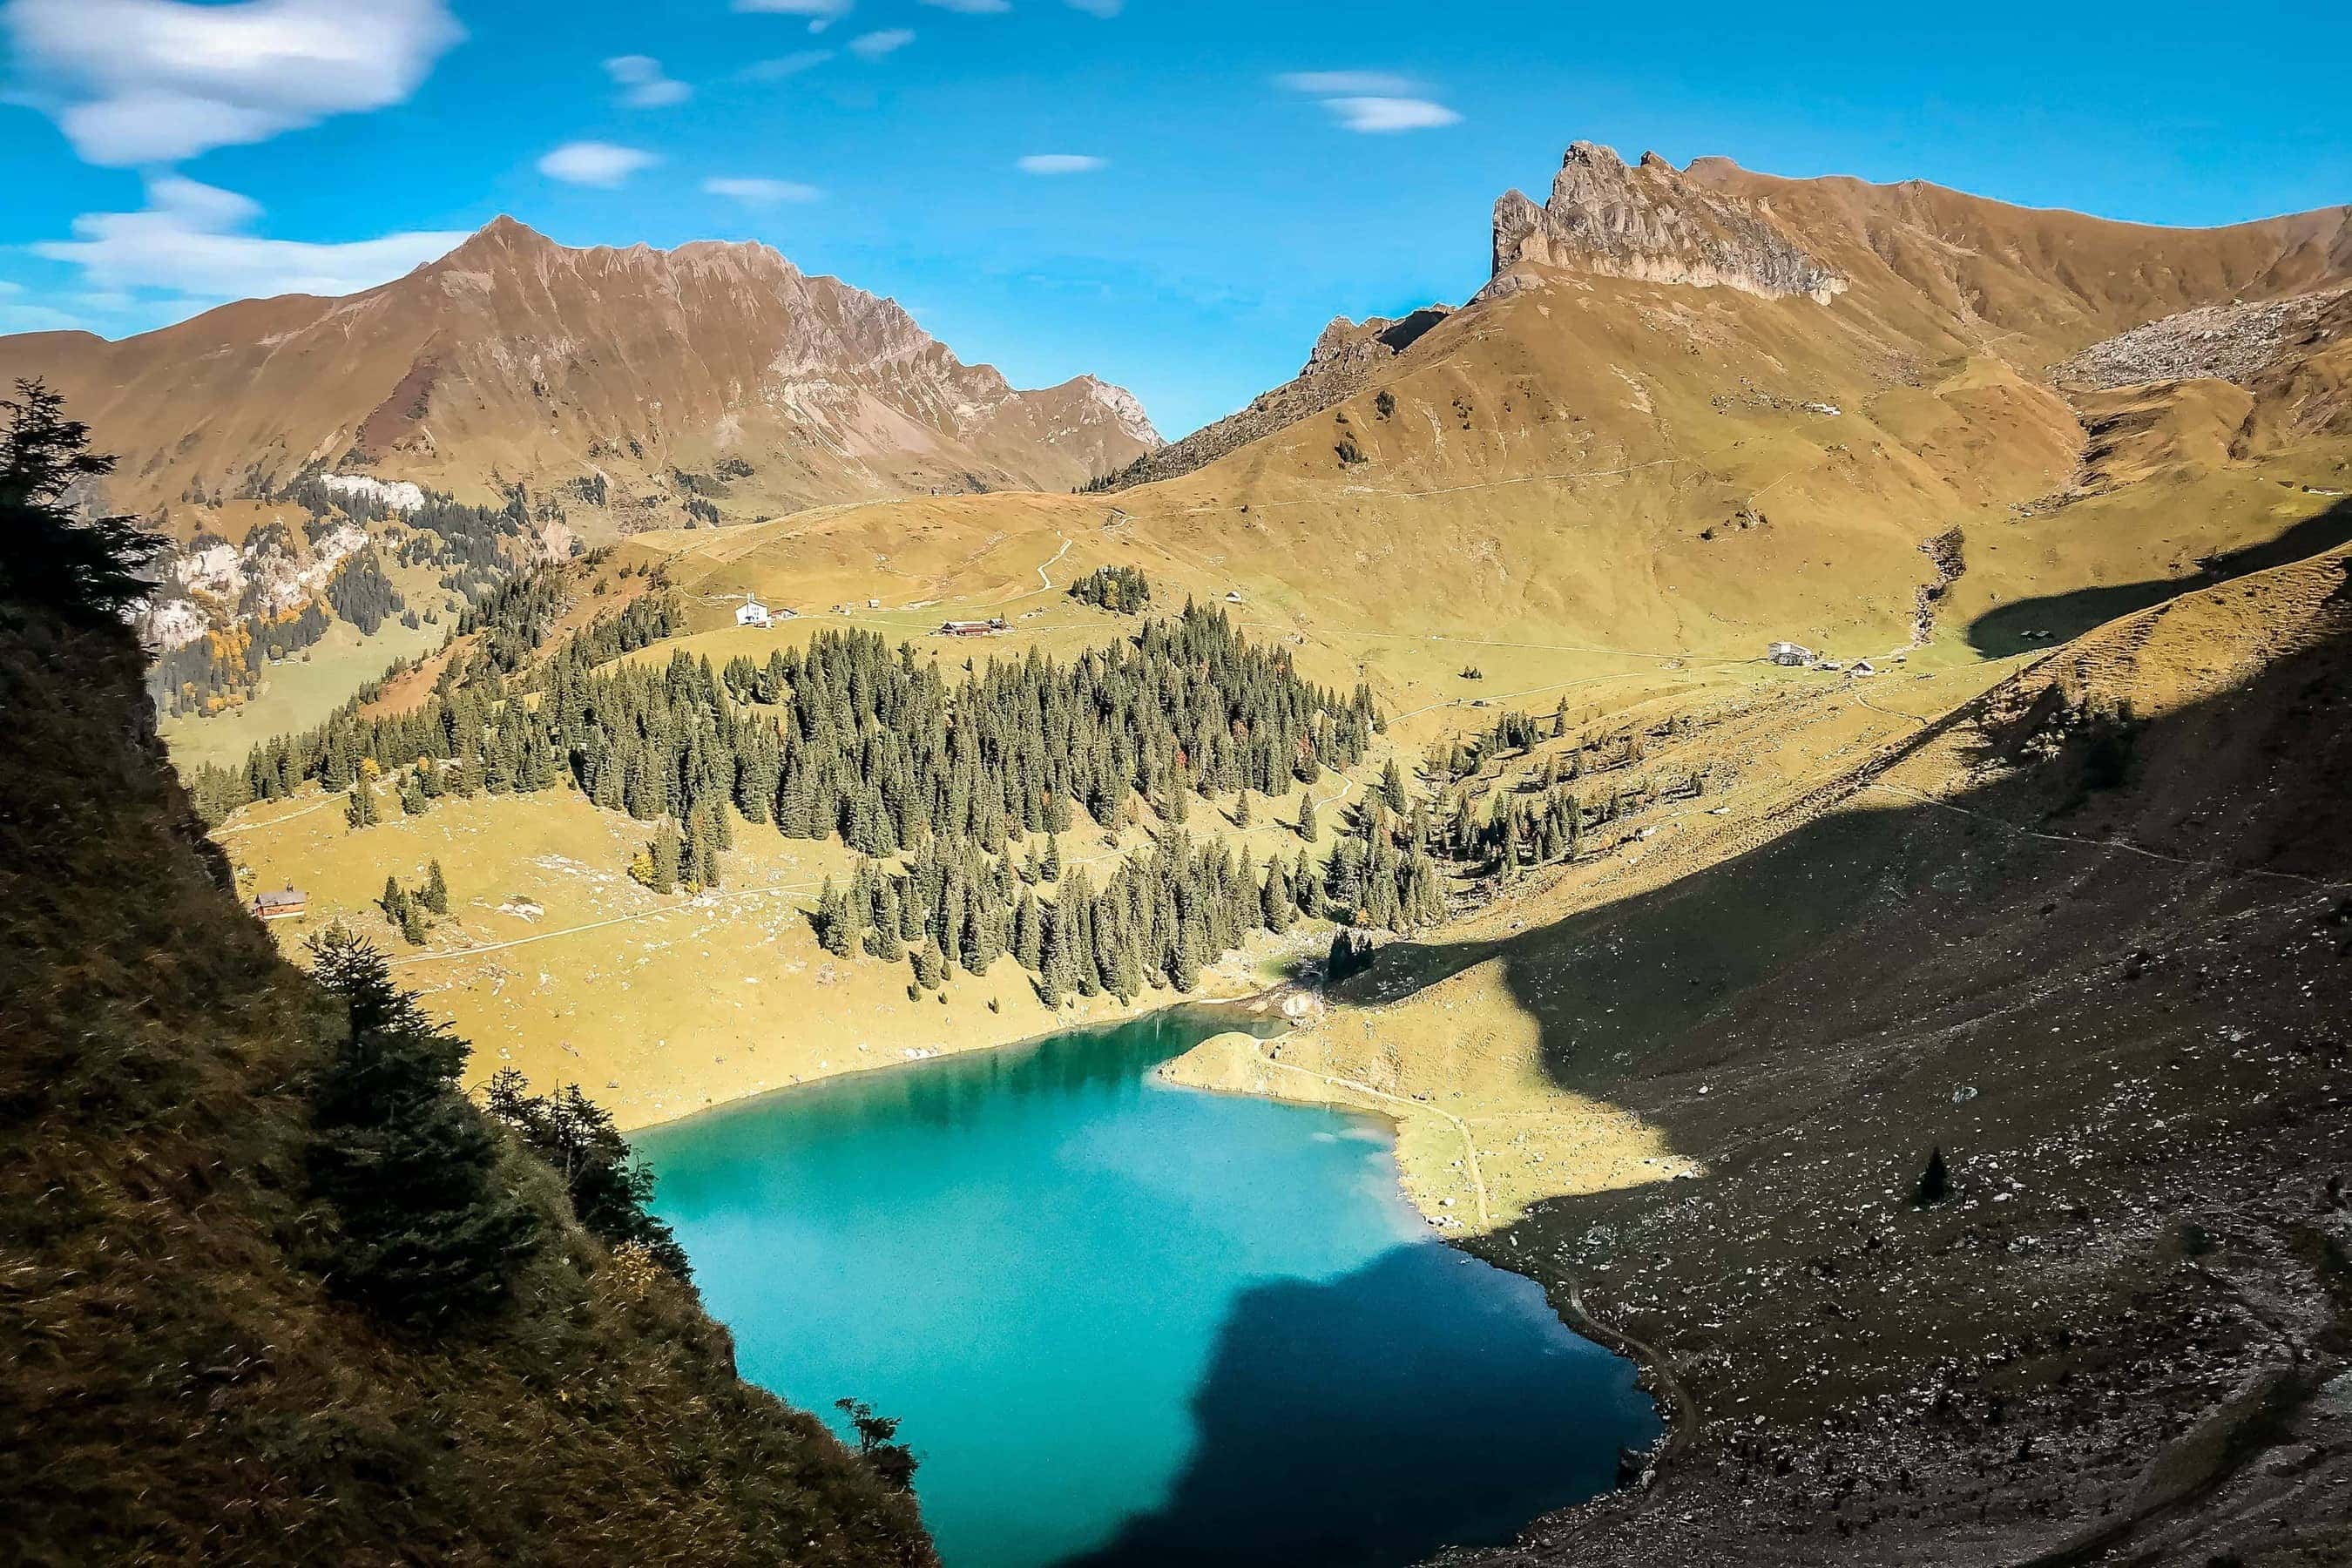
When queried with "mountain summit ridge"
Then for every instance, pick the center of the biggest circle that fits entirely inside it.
(1648, 221)
(513, 358)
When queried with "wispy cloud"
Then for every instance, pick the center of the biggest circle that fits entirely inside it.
(972, 7)
(1386, 114)
(156, 81)
(643, 82)
(761, 193)
(190, 240)
(598, 163)
(784, 66)
(1061, 163)
(875, 46)
(1371, 101)
(821, 13)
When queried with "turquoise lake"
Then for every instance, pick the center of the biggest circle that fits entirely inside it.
(1129, 1323)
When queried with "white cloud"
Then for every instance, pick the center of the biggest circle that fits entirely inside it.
(1330, 84)
(1061, 163)
(756, 193)
(189, 241)
(784, 66)
(597, 164)
(7, 287)
(873, 46)
(644, 84)
(972, 7)
(1372, 101)
(1385, 114)
(156, 81)
(822, 14)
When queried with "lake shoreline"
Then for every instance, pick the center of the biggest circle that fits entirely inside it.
(1209, 1068)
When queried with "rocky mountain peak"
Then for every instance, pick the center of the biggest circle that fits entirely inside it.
(1652, 222)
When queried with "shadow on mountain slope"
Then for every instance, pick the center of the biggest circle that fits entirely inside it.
(2131, 1061)
(2001, 631)
(1440, 1433)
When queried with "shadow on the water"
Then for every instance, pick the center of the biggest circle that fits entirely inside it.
(2001, 632)
(1435, 1432)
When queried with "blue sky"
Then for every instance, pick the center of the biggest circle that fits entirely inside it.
(1218, 177)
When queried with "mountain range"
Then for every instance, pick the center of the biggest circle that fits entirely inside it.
(639, 376)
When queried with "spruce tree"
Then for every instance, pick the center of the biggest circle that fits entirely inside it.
(88, 568)
(435, 896)
(360, 811)
(1392, 787)
(1935, 1182)
(835, 931)
(1307, 828)
(1052, 867)
(426, 1232)
(608, 1185)
(1029, 934)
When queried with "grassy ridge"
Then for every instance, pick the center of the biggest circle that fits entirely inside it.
(183, 1385)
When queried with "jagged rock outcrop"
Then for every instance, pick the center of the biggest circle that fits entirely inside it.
(1346, 359)
(1650, 222)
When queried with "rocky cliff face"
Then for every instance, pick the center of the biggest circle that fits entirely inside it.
(714, 371)
(1346, 357)
(1651, 222)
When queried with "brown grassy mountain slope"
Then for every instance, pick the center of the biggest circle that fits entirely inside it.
(180, 1384)
(2030, 284)
(1700, 409)
(515, 359)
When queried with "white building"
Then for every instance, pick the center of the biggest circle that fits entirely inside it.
(1789, 653)
(752, 614)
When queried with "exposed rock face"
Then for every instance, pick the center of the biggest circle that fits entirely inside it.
(514, 358)
(1651, 222)
(210, 585)
(2224, 342)
(1346, 359)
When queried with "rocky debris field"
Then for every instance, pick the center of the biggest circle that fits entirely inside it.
(2223, 342)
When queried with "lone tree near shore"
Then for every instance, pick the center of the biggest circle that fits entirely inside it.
(1935, 1182)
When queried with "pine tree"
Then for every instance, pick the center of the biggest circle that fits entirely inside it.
(665, 850)
(1392, 787)
(412, 924)
(1242, 811)
(88, 568)
(1052, 867)
(393, 901)
(425, 1233)
(412, 797)
(930, 965)
(435, 896)
(360, 812)
(608, 1185)
(835, 932)
(1029, 934)
(1307, 828)
(1935, 1182)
